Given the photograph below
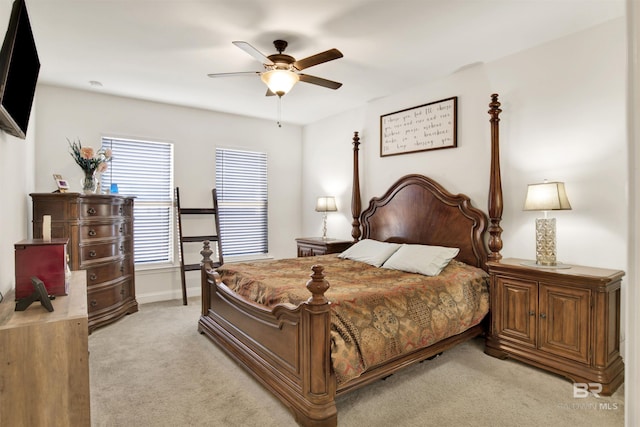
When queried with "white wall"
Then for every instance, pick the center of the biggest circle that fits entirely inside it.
(632, 356)
(16, 181)
(66, 113)
(563, 119)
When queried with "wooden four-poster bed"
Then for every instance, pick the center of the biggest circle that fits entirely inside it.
(296, 344)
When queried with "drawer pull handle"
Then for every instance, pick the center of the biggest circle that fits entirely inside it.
(120, 210)
(93, 303)
(121, 229)
(91, 211)
(543, 316)
(93, 276)
(122, 248)
(92, 254)
(122, 268)
(92, 232)
(122, 291)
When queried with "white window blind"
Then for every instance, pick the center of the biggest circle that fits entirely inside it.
(145, 170)
(241, 184)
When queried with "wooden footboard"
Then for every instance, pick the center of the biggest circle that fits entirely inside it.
(287, 349)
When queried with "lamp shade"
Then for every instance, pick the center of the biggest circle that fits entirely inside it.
(280, 81)
(546, 196)
(326, 204)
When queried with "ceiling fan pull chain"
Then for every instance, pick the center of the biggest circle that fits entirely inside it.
(279, 111)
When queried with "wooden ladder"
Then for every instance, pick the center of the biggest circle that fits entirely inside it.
(199, 238)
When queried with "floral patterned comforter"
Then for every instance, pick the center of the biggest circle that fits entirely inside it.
(377, 313)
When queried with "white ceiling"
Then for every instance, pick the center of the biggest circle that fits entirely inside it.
(162, 50)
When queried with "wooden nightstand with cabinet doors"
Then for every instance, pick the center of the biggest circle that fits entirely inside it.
(564, 320)
(311, 246)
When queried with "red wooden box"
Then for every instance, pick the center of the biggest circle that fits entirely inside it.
(46, 260)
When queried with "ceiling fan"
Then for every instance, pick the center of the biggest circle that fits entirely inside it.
(282, 71)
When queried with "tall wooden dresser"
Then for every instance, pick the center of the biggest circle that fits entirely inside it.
(100, 233)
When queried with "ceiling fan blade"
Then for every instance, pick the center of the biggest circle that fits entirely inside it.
(319, 81)
(318, 58)
(253, 52)
(241, 73)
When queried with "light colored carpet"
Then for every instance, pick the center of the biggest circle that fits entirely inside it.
(153, 368)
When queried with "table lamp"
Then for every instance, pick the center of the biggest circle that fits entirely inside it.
(325, 204)
(546, 196)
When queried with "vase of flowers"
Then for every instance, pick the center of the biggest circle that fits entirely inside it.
(92, 163)
(90, 182)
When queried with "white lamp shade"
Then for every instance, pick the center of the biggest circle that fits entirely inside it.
(326, 204)
(280, 81)
(546, 196)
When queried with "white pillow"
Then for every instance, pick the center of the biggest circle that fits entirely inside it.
(422, 259)
(370, 251)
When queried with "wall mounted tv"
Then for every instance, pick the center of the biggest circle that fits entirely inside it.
(19, 68)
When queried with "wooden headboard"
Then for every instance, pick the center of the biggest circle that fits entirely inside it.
(416, 209)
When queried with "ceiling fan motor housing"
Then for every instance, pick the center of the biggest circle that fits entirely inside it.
(282, 61)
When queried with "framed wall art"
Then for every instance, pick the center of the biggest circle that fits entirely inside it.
(425, 127)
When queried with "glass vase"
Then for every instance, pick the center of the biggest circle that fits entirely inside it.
(89, 182)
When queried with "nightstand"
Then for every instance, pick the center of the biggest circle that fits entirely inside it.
(564, 320)
(311, 246)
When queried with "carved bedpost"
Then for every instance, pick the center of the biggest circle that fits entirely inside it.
(318, 379)
(317, 286)
(495, 184)
(205, 264)
(356, 205)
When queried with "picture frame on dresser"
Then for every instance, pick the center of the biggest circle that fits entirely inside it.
(61, 183)
(101, 241)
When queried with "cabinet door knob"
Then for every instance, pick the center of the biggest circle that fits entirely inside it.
(91, 211)
(92, 254)
(93, 303)
(532, 313)
(92, 232)
(543, 316)
(93, 276)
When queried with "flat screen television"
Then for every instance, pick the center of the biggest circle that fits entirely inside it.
(19, 68)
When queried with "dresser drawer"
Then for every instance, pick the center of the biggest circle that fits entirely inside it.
(106, 272)
(104, 251)
(60, 209)
(107, 297)
(95, 209)
(100, 231)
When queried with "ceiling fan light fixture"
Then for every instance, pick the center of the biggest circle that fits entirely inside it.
(280, 81)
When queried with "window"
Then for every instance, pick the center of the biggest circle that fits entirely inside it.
(241, 184)
(145, 170)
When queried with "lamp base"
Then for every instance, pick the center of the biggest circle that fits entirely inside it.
(557, 265)
(546, 241)
(324, 226)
